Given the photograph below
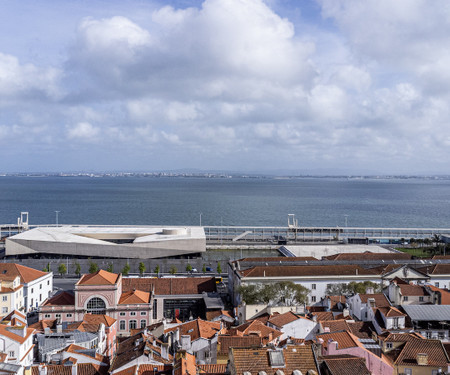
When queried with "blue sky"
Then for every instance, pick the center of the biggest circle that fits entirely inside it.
(242, 85)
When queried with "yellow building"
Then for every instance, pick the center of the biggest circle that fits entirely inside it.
(11, 294)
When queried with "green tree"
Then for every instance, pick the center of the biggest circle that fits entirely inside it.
(188, 268)
(249, 294)
(141, 268)
(77, 269)
(126, 269)
(157, 269)
(204, 268)
(361, 287)
(47, 268)
(173, 270)
(93, 267)
(219, 268)
(337, 289)
(62, 269)
(110, 267)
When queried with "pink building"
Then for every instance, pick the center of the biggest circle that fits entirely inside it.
(101, 293)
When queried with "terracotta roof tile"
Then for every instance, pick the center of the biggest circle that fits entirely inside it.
(226, 342)
(134, 297)
(170, 285)
(97, 319)
(323, 315)
(295, 357)
(444, 294)
(345, 365)
(335, 300)
(42, 324)
(82, 369)
(380, 299)
(413, 290)
(212, 369)
(344, 339)
(390, 311)
(13, 333)
(63, 298)
(256, 328)
(437, 356)
(276, 259)
(283, 319)
(198, 328)
(101, 277)
(26, 274)
(292, 271)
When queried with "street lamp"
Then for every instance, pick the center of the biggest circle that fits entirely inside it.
(200, 219)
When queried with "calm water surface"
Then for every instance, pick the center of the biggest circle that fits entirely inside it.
(179, 201)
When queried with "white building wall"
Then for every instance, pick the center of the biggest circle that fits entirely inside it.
(37, 291)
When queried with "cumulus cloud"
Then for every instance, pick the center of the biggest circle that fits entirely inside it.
(233, 81)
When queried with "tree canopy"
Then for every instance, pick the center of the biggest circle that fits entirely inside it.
(281, 293)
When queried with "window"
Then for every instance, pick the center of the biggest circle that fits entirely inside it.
(4, 309)
(31, 302)
(5, 298)
(420, 299)
(436, 285)
(132, 324)
(47, 316)
(40, 286)
(441, 335)
(96, 306)
(122, 325)
(68, 315)
(133, 313)
(143, 323)
(408, 371)
(40, 297)
(12, 354)
(58, 315)
(429, 335)
(405, 298)
(313, 286)
(32, 290)
(313, 298)
(389, 345)
(48, 282)
(122, 314)
(155, 309)
(143, 312)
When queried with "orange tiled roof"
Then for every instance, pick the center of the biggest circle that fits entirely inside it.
(97, 319)
(101, 277)
(412, 290)
(26, 274)
(198, 328)
(283, 319)
(390, 311)
(323, 315)
(134, 297)
(82, 369)
(212, 369)
(226, 342)
(292, 271)
(445, 294)
(334, 300)
(255, 327)
(295, 357)
(42, 324)
(343, 338)
(346, 364)
(437, 356)
(9, 332)
(63, 298)
(276, 259)
(171, 285)
(76, 349)
(380, 299)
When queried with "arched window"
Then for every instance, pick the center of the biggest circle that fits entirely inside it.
(132, 324)
(96, 306)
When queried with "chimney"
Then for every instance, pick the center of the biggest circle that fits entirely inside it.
(165, 351)
(314, 318)
(345, 312)
(42, 369)
(47, 330)
(422, 359)
(74, 369)
(185, 342)
(59, 328)
(369, 290)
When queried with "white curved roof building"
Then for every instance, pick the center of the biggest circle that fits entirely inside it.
(109, 241)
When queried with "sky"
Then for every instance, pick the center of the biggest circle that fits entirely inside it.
(276, 86)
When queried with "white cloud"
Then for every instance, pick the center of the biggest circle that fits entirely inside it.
(83, 131)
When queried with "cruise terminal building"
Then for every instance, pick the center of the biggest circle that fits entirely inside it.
(142, 242)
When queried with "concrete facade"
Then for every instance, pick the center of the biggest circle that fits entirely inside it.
(115, 242)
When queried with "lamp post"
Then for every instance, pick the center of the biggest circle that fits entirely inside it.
(57, 212)
(200, 219)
